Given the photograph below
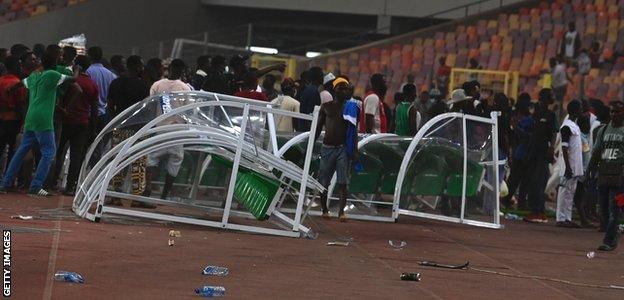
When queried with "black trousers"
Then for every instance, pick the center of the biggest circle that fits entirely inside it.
(581, 202)
(518, 178)
(538, 174)
(76, 135)
(97, 124)
(8, 135)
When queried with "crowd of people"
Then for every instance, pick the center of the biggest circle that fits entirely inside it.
(53, 99)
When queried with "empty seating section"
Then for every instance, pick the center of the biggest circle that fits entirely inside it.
(11, 10)
(522, 40)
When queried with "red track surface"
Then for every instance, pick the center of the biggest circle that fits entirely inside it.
(131, 260)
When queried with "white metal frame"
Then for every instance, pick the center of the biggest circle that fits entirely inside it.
(422, 133)
(94, 185)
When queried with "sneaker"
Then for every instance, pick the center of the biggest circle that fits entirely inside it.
(535, 218)
(3, 190)
(567, 224)
(40, 193)
(605, 247)
(325, 216)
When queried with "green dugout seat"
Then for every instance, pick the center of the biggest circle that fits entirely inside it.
(404, 144)
(426, 175)
(391, 163)
(367, 181)
(455, 171)
(256, 193)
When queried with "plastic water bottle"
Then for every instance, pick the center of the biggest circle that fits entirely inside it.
(512, 217)
(411, 276)
(210, 291)
(216, 271)
(66, 276)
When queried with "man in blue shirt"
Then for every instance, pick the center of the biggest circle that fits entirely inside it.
(310, 97)
(103, 78)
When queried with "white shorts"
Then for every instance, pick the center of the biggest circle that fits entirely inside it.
(175, 156)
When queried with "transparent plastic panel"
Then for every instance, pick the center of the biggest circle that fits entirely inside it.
(433, 178)
(481, 206)
(370, 189)
(185, 159)
(131, 120)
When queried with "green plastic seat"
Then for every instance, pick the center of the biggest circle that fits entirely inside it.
(255, 193)
(392, 159)
(427, 175)
(404, 144)
(367, 181)
(473, 180)
(455, 171)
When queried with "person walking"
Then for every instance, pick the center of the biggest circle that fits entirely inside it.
(608, 160)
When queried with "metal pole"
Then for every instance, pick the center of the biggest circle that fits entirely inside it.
(273, 132)
(205, 41)
(306, 169)
(494, 115)
(161, 48)
(463, 203)
(249, 33)
(235, 166)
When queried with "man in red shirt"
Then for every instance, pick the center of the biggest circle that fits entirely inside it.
(76, 126)
(443, 76)
(249, 88)
(12, 103)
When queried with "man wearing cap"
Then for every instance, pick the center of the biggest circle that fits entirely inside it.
(328, 87)
(334, 156)
(459, 102)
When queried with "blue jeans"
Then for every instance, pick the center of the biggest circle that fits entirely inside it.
(610, 213)
(333, 159)
(47, 147)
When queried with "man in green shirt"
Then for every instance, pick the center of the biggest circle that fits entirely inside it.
(608, 159)
(42, 84)
(407, 114)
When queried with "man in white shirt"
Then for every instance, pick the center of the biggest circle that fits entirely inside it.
(571, 43)
(285, 101)
(173, 155)
(583, 66)
(560, 81)
(570, 165)
(374, 116)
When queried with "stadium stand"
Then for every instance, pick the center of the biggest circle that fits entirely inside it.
(512, 39)
(11, 10)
